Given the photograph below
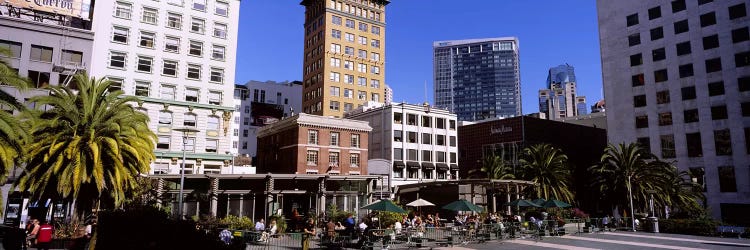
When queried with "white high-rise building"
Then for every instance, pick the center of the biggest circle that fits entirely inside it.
(677, 80)
(178, 57)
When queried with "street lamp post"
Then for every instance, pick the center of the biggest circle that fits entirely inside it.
(632, 213)
(185, 133)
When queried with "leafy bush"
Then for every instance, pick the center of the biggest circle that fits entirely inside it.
(337, 215)
(703, 227)
(389, 218)
(237, 223)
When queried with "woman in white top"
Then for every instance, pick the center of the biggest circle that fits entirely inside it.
(271, 231)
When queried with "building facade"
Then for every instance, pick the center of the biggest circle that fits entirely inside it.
(559, 99)
(178, 58)
(420, 141)
(677, 81)
(388, 98)
(344, 60)
(478, 78)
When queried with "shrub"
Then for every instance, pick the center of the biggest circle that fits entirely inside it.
(703, 227)
(237, 223)
(389, 218)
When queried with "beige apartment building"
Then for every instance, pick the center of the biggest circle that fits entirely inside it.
(344, 60)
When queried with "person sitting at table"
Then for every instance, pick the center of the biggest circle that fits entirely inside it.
(438, 223)
(339, 227)
(271, 231)
(430, 222)
(397, 227)
(260, 225)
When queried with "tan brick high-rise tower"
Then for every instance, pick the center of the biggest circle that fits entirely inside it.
(344, 64)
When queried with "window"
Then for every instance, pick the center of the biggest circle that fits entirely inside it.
(165, 117)
(743, 83)
(702, 2)
(116, 83)
(634, 39)
(715, 88)
(194, 71)
(335, 91)
(641, 121)
(222, 8)
(727, 180)
(335, 138)
(349, 50)
(375, 30)
(636, 60)
(710, 42)
(713, 65)
(375, 97)
(211, 146)
(39, 79)
(683, 48)
(452, 124)
(747, 140)
(349, 37)
(336, 34)
(690, 115)
(375, 43)
(440, 140)
(397, 136)
(375, 57)
(686, 70)
(335, 62)
(349, 93)
(217, 75)
(426, 155)
(172, 44)
(197, 25)
(637, 80)
(742, 59)
(312, 157)
(639, 101)
(678, 5)
(214, 97)
(163, 142)
(149, 15)
(169, 68)
(196, 48)
(147, 39)
(120, 34)
(719, 112)
(355, 140)
(117, 59)
(745, 109)
(426, 138)
(312, 137)
(632, 19)
(362, 95)
(354, 160)
(174, 21)
(144, 64)
(658, 54)
(362, 40)
(688, 93)
(72, 56)
(737, 11)
(212, 123)
(13, 47)
(723, 142)
(41, 53)
(167, 92)
(660, 75)
(191, 95)
(218, 52)
(413, 173)
(440, 156)
(411, 137)
(349, 65)
(654, 13)
(681, 27)
(411, 119)
(452, 140)
(645, 143)
(123, 10)
(349, 23)
(176, 2)
(335, 48)
(333, 158)
(199, 5)
(190, 120)
(694, 146)
(665, 119)
(349, 79)
(142, 88)
(220, 30)
(657, 33)
(667, 146)
(708, 19)
(426, 121)
(336, 20)
(362, 27)
(362, 68)
(740, 35)
(375, 70)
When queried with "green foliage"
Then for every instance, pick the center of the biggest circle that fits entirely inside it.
(337, 215)
(237, 223)
(13, 132)
(387, 219)
(496, 168)
(703, 227)
(280, 223)
(548, 167)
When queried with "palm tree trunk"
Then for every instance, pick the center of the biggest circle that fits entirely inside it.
(632, 214)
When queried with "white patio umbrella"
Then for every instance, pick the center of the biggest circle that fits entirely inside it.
(419, 203)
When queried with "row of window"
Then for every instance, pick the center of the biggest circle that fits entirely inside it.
(427, 121)
(349, 37)
(412, 155)
(189, 120)
(147, 39)
(689, 116)
(145, 64)
(356, 10)
(41, 53)
(689, 93)
(169, 91)
(361, 67)
(426, 174)
(735, 11)
(741, 59)
(150, 15)
(727, 178)
(427, 138)
(333, 159)
(164, 142)
(351, 24)
(694, 145)
(313, 138)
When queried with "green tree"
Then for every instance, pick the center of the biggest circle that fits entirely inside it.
(88, 147)
(12, 132)
(681, 194)
(548, 167)
(496, 168)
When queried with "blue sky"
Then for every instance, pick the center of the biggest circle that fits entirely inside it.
(550, 33)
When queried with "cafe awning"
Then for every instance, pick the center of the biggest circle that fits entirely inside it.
(428, 166)
(454, 166)
(398, 164)
(412, 164)
(442, 166)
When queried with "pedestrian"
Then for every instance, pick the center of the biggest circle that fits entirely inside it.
(605, 222)
(44, 236)
(308, 232)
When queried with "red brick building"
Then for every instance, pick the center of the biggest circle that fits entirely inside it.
(311, 144)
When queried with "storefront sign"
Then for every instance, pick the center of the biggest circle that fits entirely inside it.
(75, 8)
(500, 130)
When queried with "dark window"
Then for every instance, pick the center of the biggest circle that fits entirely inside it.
(708, 19)
(660, 75)
(686, 70)
(683, 48)
(690, 115)
(702, 2)
(698, 176)
(39, 79)
(678, 5)
(645, 143)
(727, 180)
(743, 83)
(641, 121)
(719, 112)
(742, 59)
(723, 142)
(713, 65)
(667, 146)
(694, 146)
(710, 42)
(747, 140)
(654, 13)
(740, 35)
(662, 97)
(637, 80)
(681, 27)
(632, 19)
(657, 33)
(634, 39)
(639, 101)
(737, 11)
(688, 93)
(745, 109)
(658, 54)
(665, 119)
(715, 88)
(636, 60)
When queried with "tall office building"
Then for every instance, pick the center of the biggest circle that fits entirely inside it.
(344, 60)
(478, 78)
(559, 99)
(677, 80)
(178, 58)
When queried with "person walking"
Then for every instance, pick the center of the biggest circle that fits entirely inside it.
(308, 232)
(44, 236)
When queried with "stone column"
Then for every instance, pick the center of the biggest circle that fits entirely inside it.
(242, 204)
(269, 196)
(214, 196)
(321, 206)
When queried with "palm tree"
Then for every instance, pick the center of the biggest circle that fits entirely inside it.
(681, 194)
(12, 132)
(496, 168)
(88, 147)
(548, 167)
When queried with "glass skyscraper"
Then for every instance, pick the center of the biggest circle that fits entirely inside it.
(560, 99)
(478, 78)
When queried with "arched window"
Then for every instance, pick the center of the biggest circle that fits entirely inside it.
(165, 117)
(190, 120)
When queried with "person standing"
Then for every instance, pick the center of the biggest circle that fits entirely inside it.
(31, 234)
(308, 232)
(44, 236)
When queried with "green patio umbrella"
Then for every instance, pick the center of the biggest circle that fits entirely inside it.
(556, 203)
(539, 201)
(385, 205)
(462, 205)
(521, 203)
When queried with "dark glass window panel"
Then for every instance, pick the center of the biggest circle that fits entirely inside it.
(667, 146)
(654, 13)
(745, 109)
(636, 60)
(665, 119)
(658, 54)
(708, 19)
(678, 5)
(715, 88)
(638, 80)
(660, 75)
(740, 35)
(710, 42)
(662, 97)
(681, 27)
(641, 121)
(713, 65)
(727, 180)
(634, 39)
(683, 48)
(719, 112)
(639, 101)
(723, 142)
(694, 145)
(657, 33)
(686, 70)
(737, 11)
(645, 143)
(690, 116)
(688, 93)
(743, 83)
(632, 19)
(742, 59)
